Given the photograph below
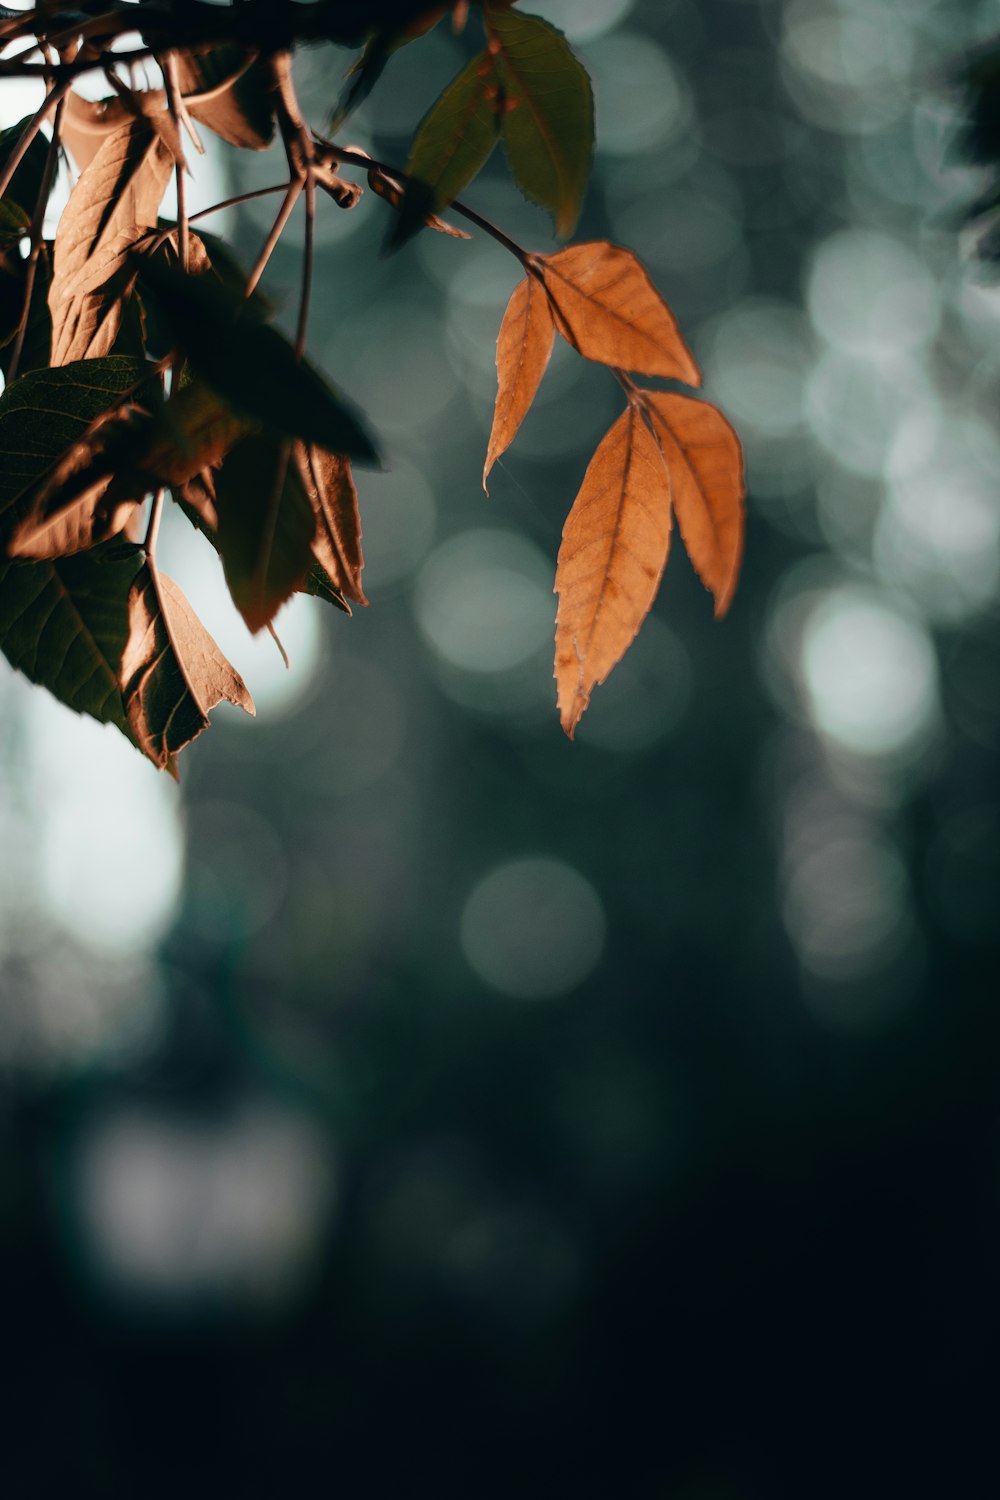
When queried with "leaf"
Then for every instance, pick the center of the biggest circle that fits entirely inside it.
(548, 119)
(86, 497)
(37, 344)
(452, 143)
(228, 93)
(336, 545)
(26, 183)
(614, 548)
(607, 308)
(703, 455)
(114, 201)
(172, 672)
(266, 527)
(252, 366)
(44, 414)
(524, 346)
(192, 431)
(64, 624)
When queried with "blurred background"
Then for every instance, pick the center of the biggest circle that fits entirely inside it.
(415, 1102)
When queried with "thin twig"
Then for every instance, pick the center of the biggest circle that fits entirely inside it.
(203, 213)
(34, 125)
(277, 228)
(37, 222)
(352, 158)
(169, 70)
(308, 256)
(153, 528)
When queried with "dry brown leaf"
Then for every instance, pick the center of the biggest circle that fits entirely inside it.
(705, 461)
(607, 308)
(614, 548)
(336, 545)
(115, 200)
(524, 346)
(172, 672)
(82, 500)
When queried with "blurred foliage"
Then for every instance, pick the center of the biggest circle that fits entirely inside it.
(328, 1179)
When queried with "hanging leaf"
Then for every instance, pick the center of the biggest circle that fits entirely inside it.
(368, 69)
(607, 308)
(703, 455)
(266, 527)
(37, 345)
(228, 91)
(45, 415)
(251, 365)
(26, 183)
(172, 672)
(524, 347)
(548, 113)
(614, 548)
(337, 541)
(452, 143)
(64, 624)
(115, 200)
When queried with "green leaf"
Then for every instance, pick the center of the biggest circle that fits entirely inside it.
(548, 119)
(26, 184)
(452, 143)
(37, 346)
(64, 624)
(172, 671)
(43, 414)
(240, 108)
(266, 526)
(252, 366)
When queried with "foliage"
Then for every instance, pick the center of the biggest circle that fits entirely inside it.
(139, 362)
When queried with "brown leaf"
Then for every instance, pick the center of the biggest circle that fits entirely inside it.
(266, 526)
(172, 672)
(115, 200)
(614, 548)
(607, 308)
(336, 545)
(524, 346)
(705, 461)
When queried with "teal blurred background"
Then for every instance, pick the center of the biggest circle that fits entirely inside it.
(415, 1102)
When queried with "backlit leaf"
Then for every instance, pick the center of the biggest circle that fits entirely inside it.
(524, 346)
(606, 306)
(45, 414)
(231, 95)
(548, 119)
(452, 143)
(26, 183)
(64, 624)
(337, 541)
(252, 366)
(266, 526)
(114, 201)
(172, 672)
(703, 455)
(614, 548)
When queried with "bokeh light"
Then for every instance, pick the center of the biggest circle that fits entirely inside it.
(533, 928)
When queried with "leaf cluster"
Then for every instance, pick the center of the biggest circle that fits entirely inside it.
(142, 372)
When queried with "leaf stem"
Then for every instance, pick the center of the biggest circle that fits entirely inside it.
(308, 258)
(353, 158)
(203, 213)
(37, 221)
(153, 528)
(51, 101)
(169, 69)
(277, 228)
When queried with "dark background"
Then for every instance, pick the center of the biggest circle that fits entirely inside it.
(418, 1103)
